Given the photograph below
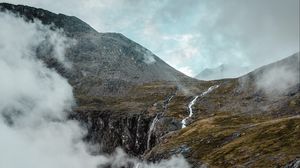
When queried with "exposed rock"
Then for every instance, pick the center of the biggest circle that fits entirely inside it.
(130, 132)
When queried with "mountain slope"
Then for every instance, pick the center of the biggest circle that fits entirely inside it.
(109, 63)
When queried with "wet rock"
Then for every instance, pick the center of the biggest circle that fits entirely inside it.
(293, 164)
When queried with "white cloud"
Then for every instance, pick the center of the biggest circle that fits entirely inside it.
(277, 80)
(185, 46)
(33, 103)
(187, 70)
(184, 51)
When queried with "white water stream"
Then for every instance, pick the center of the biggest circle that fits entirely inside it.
(152, 126)
(190, 106)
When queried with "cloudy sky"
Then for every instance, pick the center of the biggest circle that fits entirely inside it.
(192, 35)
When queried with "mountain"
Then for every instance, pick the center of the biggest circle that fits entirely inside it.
(127, 97)
(221, 72)
(108, 62)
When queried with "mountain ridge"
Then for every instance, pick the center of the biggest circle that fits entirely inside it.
(110, 62)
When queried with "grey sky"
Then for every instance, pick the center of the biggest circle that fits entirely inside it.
(192, 35)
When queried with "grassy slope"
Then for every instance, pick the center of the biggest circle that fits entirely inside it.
(236, 127)
(230, 126)
(228, 140)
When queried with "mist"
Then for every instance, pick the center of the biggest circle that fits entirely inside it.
(35, 101)
(279, 79)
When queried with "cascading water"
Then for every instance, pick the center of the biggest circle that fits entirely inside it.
(210, 89)
(190, 111)
(190, 106)
(156, 119)
(166, 103)
(152, 126)
(137, 132)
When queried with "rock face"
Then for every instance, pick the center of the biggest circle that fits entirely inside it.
(127, 97)
(134, 122)
(129, 132)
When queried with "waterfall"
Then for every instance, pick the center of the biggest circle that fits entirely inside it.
(190, 111)
(152, 126)
(137, 132)
(165, 106)
(156, 119)
(190, 106)
(210, 89)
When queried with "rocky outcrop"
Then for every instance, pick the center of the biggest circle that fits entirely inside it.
(128, 132)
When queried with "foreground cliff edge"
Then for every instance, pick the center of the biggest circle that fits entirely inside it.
(127, 97)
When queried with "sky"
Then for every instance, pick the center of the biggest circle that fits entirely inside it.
(192, 35)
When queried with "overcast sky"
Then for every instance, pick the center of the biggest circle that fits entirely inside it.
(192, 35)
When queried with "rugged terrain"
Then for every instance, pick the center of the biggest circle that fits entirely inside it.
(128, 97)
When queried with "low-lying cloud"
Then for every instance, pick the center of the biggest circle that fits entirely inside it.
(34, 104)
(279, 79)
